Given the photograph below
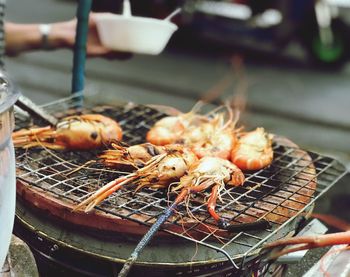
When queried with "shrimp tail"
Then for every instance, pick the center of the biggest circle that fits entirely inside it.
(104, 192)
(32, 137)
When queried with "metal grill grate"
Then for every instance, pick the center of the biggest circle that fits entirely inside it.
(287, 184)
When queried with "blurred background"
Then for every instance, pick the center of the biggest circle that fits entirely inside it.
(289, 85)
(291, 76)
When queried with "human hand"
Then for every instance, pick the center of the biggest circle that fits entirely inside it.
(66, 31)
(25, 37)
(94, 46)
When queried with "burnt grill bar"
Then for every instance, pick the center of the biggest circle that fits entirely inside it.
(285, 184)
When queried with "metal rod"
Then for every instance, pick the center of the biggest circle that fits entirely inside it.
(84, 7)
(261, 224)
(145, 240)
(27, 105)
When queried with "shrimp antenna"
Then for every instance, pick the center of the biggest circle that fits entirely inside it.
(236, 117)
(213, 111)
(230, 116)
(233, 116)
(199, 105)
(195, 110)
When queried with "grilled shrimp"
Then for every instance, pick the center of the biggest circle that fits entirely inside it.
(74, 132)
(159, 172)
(210, 172)
(218, 145)
(214, 139)
(166, 131)
(253, 150)
(169, 129)
(134, 156)
(206, 135)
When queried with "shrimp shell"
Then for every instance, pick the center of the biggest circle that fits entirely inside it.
(82, 132)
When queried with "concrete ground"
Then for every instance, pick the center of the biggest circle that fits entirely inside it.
(283, 93)
(20, 261)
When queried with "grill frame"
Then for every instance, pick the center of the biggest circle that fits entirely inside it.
(277, 231)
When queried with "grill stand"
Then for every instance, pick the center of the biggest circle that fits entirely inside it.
(60, 245)
(43, 244)
(133, 118)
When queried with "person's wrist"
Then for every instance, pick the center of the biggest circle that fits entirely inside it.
(45, 30)
(56, 35)
(62, 34)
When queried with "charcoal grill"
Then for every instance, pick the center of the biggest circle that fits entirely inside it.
(50, 183)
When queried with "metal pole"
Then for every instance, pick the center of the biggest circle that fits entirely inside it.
(146, 239)
(83, 10)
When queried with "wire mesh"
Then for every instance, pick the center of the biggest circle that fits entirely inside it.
(278, 193)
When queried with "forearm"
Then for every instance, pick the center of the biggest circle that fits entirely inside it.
(27, 37)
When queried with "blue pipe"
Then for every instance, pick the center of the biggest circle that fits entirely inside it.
(83, 10)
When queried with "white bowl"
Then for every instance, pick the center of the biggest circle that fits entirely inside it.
(134, 34)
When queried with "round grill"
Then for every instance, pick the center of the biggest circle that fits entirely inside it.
(54, 182)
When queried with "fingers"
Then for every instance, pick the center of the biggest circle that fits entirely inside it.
(95, 47)
(100, 51)
(118, 55)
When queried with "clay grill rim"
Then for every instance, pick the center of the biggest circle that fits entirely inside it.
(135, 120)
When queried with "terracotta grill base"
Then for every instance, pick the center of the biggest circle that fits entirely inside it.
(49, 186)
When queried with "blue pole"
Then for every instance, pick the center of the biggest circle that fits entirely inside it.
(84, 7)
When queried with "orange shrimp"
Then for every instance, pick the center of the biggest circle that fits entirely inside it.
(253, 150)
(214, 139)
(135, 156)
(219, 145)
(159, 172)
(82, 132)
(170, 129)
(210, 172)
(166, 131)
